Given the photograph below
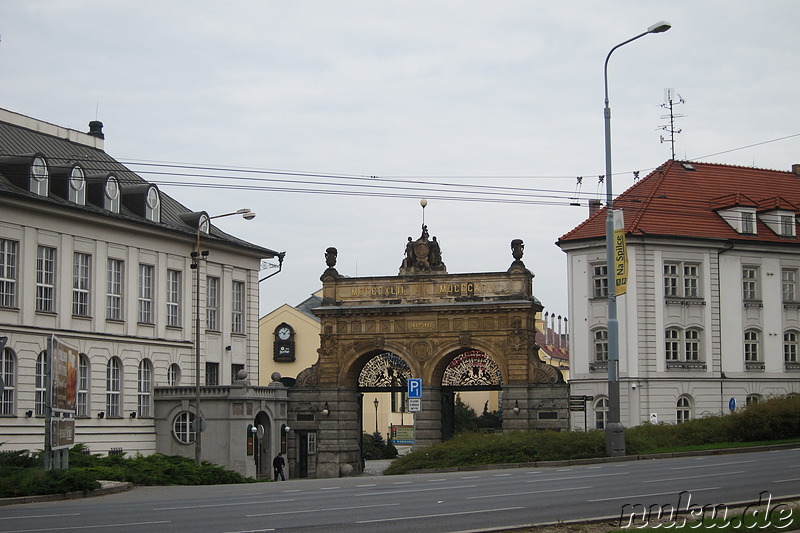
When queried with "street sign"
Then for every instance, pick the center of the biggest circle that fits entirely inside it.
(414, 405)
(732, 404)
(414, 388)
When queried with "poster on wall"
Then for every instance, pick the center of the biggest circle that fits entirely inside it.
(63, 376)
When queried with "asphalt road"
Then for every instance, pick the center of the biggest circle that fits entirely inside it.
(441, 502)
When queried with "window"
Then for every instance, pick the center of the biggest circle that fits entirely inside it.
(81, 283)
(8, 273)
(235, 368)
(113, 388)
(40, 398)
(212, 374)
(748, 222)
(114, 290)
(787, 225)
(752, 399)
(46, 279)
(152, 210)
(237, 311)
(600, 413)
(145, 388)
(212, 303)
(692, 343)
(182, 427)
(789, 284)
(683, 409)
(672, 345)
(8, 365)
(749, 283)
(174, 375)
(111, 195)
(173, 298)
(751, 346)
(790, 347)
(40, 177)
(82, 407)
(681, 280)
(312, 443)
(600, 281)
(77, 186)
(146, 294)
(601, 345)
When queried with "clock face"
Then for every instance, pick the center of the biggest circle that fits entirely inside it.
(284, 333)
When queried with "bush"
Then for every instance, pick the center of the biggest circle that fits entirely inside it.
(374, 445)
(389, 452)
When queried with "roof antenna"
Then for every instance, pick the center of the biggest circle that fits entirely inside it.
(669, 102)
(577, 191)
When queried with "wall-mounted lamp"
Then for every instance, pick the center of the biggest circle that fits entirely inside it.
(326, 410)
(516, 407)
(228, 348)
(133, 414)
(286, 429)
(29, 413)
(101, 414)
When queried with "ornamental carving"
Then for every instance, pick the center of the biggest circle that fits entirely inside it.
(517, 341)
(421, 350)
(327, 345)
(465, 339)
(472, 368)
(385, 370)
(543, 373)
(423, 256)
(308, 377)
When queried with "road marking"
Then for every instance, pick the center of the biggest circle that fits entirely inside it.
(37, 516)
(692, 477)
(708, 466)
(432, 480)
(329, 488)
(501, 475)
(471, 477)
(367, 485)
(577, 477)
(219, 505)
(629, 497)
(786, 480)
(251, 531)
(438, 515)
(323, 510)
(402, 483)
(84, 527)
(415, 490)
(530, 492)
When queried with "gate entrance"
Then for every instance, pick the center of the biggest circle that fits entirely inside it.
(456, 332)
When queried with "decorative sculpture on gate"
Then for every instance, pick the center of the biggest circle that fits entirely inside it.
(423, 256)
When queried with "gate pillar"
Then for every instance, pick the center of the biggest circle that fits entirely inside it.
(428, 422)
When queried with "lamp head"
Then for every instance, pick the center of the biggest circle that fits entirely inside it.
(659, 27)
(250, 215)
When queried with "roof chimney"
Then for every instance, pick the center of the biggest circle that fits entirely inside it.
(796, 169)
(594, 206)
(96, 129)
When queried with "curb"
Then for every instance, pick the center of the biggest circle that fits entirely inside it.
(107, 487)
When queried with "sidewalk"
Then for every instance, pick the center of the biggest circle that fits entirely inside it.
(375, 467)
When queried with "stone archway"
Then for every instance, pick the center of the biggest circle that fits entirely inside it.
(428, 318)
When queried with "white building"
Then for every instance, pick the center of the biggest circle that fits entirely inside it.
(91, 252)
(712, 309)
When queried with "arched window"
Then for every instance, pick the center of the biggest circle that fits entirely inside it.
(790, 347)
(752, 399)
(751, 352)
(174, 375)
(672, 346)
(145, 388)
(153, 205)
(77, 186)
(40, 399)
(111, 195)
(182, 427)
(113, 388)
(82, 409)
(8, 369)
(40, 177)
(601, 345)
(600, 413)
(692, 343)
(683, 409)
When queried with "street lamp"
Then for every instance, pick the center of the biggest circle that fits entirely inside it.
(615, 437)
(198, 256)
(375, 403)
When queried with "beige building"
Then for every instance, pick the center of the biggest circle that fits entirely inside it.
(92, 253)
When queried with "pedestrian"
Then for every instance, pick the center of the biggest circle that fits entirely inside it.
(277, 465)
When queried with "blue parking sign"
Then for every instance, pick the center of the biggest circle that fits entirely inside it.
(415, 388)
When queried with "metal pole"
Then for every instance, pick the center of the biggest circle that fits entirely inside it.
(198, 423)
(615, 436)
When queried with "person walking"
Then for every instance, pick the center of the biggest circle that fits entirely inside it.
(277, 465)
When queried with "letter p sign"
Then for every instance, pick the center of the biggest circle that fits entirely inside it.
(415, 388)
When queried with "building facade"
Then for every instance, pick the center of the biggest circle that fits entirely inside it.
(92, 253)
(711, 316)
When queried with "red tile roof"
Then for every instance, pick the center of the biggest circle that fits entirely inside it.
(676, 201)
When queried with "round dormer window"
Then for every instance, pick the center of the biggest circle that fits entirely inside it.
(204, 223)
(76, 180)
(39, 169)
(152, 198)
(112, 188)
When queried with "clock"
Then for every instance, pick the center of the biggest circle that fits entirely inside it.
(284, 333)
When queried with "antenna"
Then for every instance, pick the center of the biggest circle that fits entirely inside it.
(669, 103)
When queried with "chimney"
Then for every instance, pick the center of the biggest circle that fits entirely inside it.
(796, 169)
(96, 129)
(594, 206)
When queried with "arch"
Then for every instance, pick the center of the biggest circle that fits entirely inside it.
(355, 362)
(600, 410)
(472, 368)
(385, 370)
(684, 407)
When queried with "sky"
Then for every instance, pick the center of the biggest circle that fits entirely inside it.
(489, 110)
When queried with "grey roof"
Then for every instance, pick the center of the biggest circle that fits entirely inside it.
(16, 140)
(308, 304)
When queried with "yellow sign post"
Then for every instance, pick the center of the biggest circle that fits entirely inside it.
(620, 254)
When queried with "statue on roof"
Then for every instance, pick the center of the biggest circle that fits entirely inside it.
(423, 256)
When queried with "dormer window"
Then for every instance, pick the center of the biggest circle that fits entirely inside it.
(204, 223)
(787, 225)
(111, 195)
(39, 183)
(748, 222)
(153, 205)
(77, 186)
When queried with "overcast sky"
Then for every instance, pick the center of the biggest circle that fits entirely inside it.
(439, 96)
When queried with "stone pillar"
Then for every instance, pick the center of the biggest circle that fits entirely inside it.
(428, 422)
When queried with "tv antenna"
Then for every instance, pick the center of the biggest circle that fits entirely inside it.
(669, 103)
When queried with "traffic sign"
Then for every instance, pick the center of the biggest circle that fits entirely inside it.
(732, 404)
(414, 405)
(415, 388)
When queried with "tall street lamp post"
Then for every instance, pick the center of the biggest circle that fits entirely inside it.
(615, 436)
(198, 256)
(375, 403)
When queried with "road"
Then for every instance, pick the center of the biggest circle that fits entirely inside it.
(436, 502)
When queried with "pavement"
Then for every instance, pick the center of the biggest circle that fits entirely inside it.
(376, 467)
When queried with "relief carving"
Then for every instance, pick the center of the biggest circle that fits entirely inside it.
(308, 377)
(421, 350)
